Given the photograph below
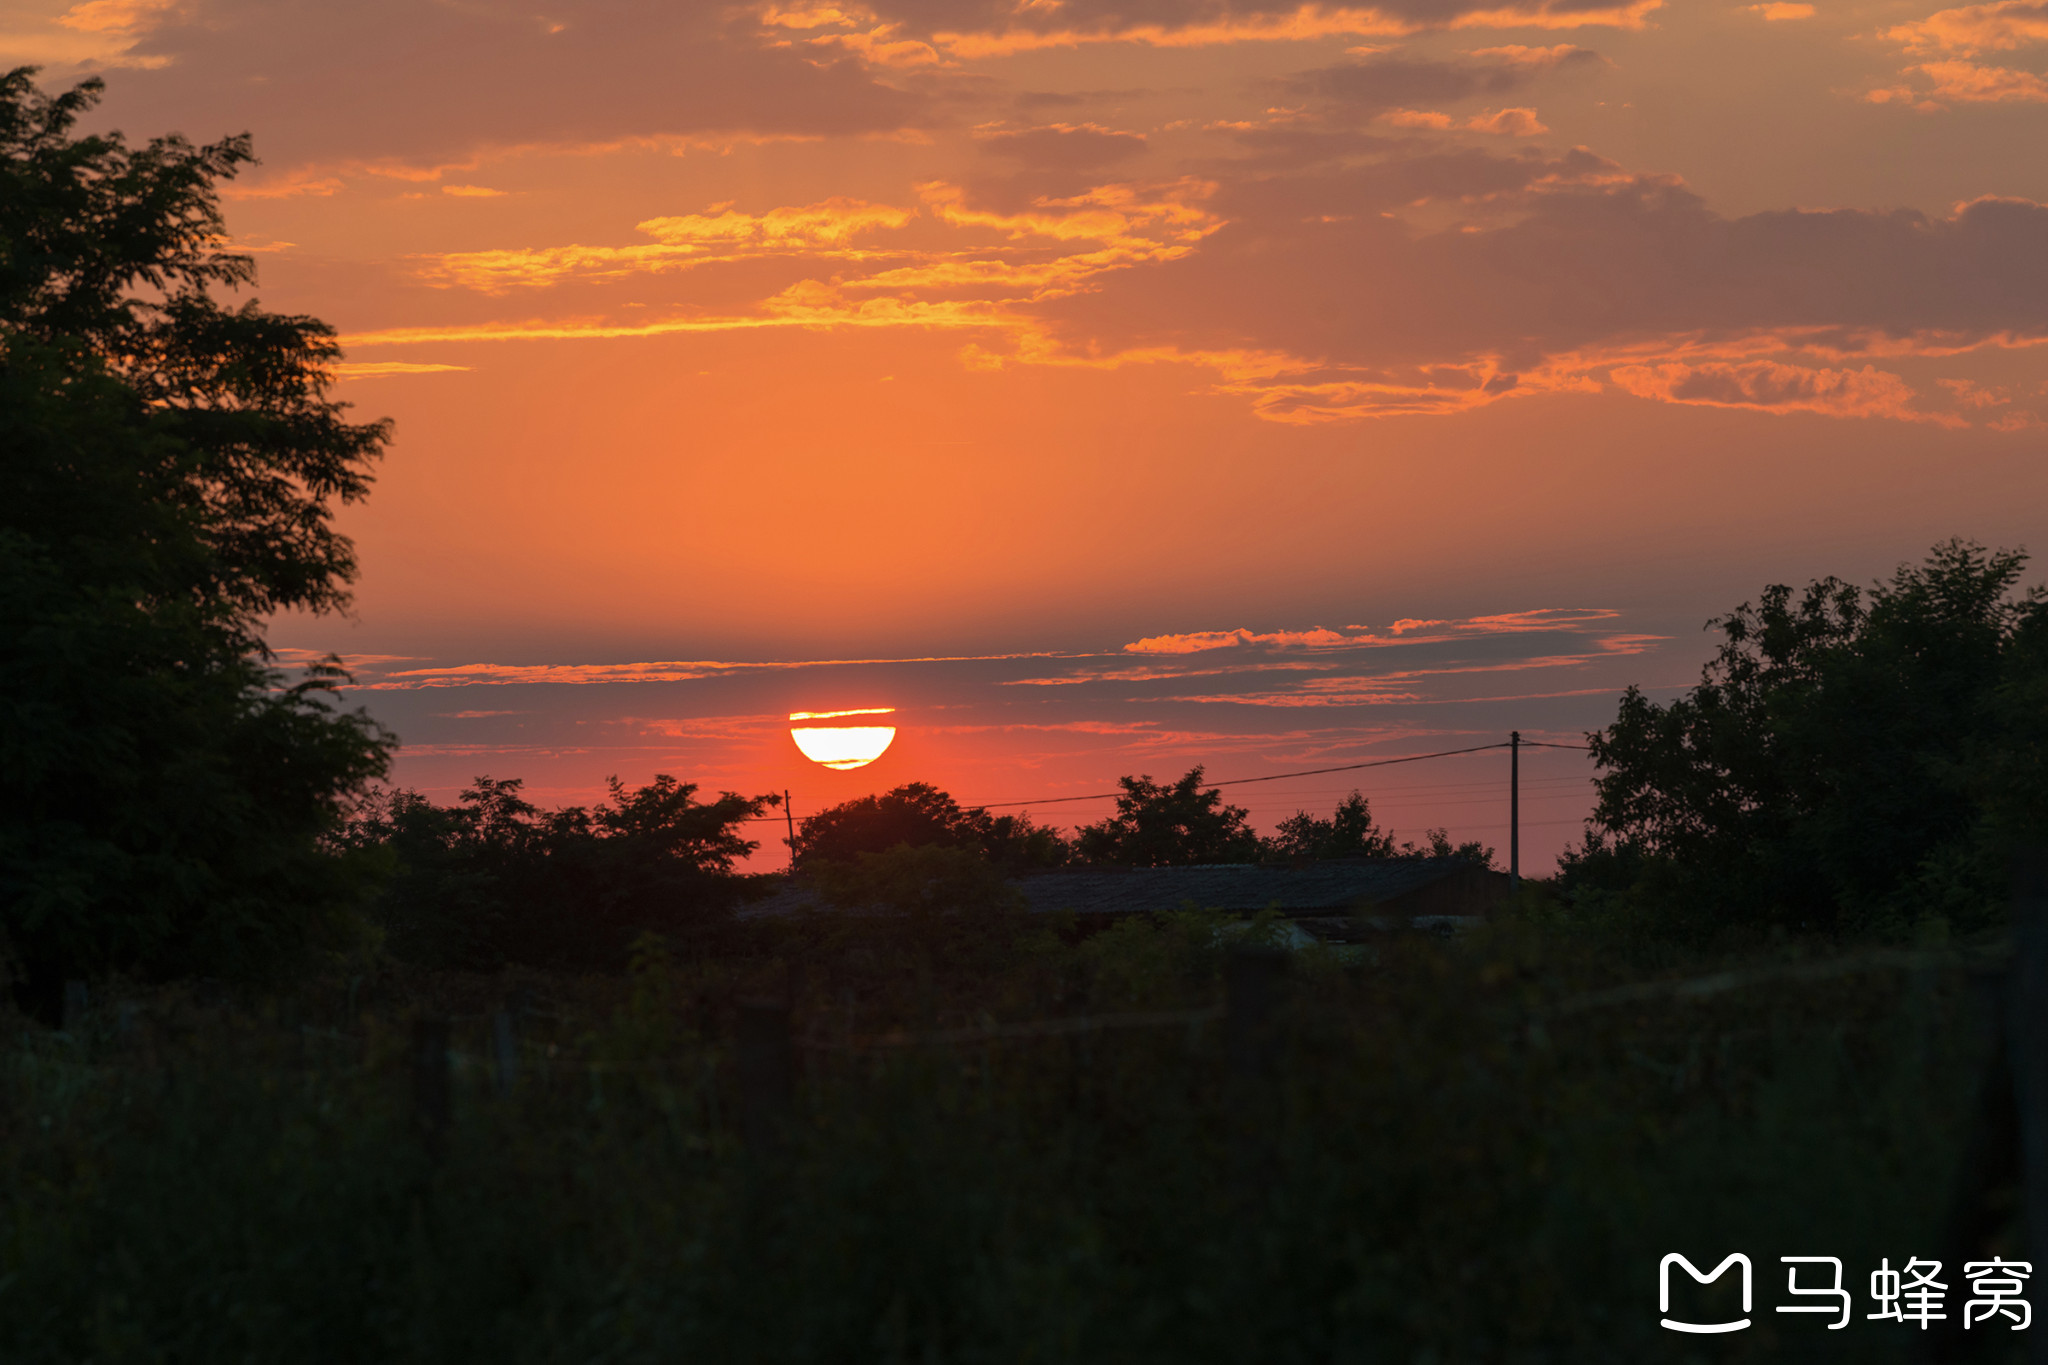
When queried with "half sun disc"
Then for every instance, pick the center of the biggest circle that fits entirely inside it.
(843, 746)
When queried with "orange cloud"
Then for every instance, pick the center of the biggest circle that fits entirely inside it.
(378, 369)
(290, 187)
(1401, 632)
(681, 242)
(1954, 36)
(1972, 83)
(1201, 640)
(579, 675)
(1501, 122)
(1766, 386)
(326, 84)
(1971, 29)
(1166, 672)
(1508, 123)
(1781, 10)
(1308, 23)
(1971, 394)
(1072, 146)
(113, 16)
(1417, 118)
(1541, 285)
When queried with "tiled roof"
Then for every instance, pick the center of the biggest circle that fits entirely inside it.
(1329, 887)
(1311, 888)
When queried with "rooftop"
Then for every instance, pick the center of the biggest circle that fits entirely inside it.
(1323, 888)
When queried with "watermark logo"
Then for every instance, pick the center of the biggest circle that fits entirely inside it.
(1664, 1291)
(1911, 1295)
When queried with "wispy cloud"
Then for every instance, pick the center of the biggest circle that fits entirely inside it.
(1766, 386)
(376, 677)
(1407, 631)
(381, 369)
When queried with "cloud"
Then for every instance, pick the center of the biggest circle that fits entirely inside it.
(1971, 29)
(993, 264)
(1514, 122)
(1766, 386)
(1781, 10)
(379, 369)
(351, 86)
(1326, 273)
(113, 16)
(472, 192)
(373, 676)
(1201, 640)
(1385, 82)
(1356, 280)
(1970, 394)
(1953, 37)
(1064, 146)
(1500, 122)
(1406, 631)
(971, 29)
(1972, 83)
(684, 241)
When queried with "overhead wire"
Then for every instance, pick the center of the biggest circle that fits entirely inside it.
(1270, 777)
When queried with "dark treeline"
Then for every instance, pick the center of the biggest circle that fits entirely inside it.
(493, 879)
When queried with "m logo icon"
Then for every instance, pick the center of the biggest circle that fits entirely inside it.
(1664, 1292)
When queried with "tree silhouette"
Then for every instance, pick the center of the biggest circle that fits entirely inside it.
(1350, 832)
(919, 815)
(495, 880)
(1849, 759)
(171, 467)
(1164, 826)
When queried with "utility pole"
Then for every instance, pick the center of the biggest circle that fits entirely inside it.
(1515, 810)
(790, 816)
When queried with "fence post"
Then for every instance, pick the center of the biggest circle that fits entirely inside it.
(1253, 982)
(504, 1052)
(75, 1000)
(431, 1083)
(2026, 1032)
(765, 1070)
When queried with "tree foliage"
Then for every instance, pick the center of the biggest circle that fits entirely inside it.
(1350, 832)
(1849, 759)
(172, 467)
(494, 879)
(919, 815)
(1164, 825)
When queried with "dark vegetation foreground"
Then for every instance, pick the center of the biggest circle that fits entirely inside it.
(1442, 1152)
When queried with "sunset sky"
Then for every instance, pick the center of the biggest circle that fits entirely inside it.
(1117, 385)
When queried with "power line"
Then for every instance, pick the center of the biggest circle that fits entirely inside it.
(1241, 781)
(1274, 777)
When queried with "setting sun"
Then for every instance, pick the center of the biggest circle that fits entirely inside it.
(842, 746)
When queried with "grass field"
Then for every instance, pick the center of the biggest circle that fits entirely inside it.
(1442, 1151)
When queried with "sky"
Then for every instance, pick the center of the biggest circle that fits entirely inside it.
(1115, 386)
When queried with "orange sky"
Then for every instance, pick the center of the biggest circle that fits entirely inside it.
(996, 339)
